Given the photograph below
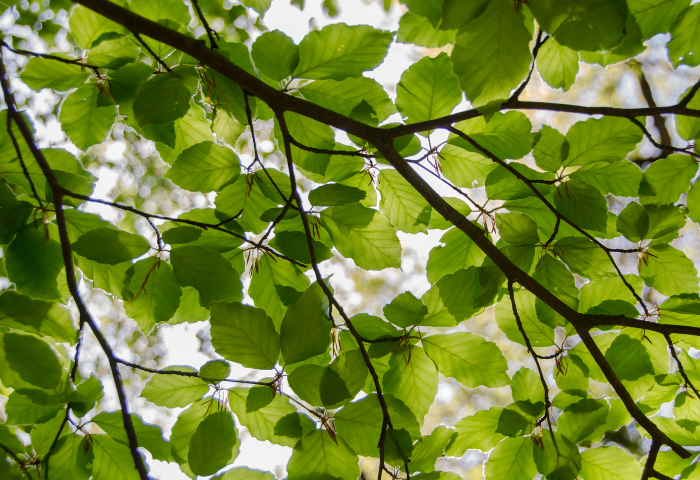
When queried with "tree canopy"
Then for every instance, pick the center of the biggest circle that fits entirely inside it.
(575, 251)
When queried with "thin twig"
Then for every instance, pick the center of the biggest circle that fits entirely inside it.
(665, 148)
(386, 420)
(202, 225)
(183, 373)
(681, 370)
(17, 460)
(22, 163)
(153, 54)
(538, 44)
(68, 61)
(547, 403)
(210, 32)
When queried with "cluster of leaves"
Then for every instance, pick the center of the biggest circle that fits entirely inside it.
(551, 219)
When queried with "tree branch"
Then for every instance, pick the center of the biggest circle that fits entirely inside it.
(681, 370)
(182, 373)
(85, 316)
(386, 421)
(551, 207)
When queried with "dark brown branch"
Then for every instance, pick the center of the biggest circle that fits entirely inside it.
(85, 316)
(386, 421)
(649, 471)
(554, 234)
(592, 321)
(665, 148)
(551, 208)
(210, 32)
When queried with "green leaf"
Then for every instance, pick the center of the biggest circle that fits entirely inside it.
(580, 420)
(607, 463)
(551, 149)
(491, 54)
(428, 89)
(412, 378)
(244, 335)
(517, 229)
(405, 310)
(335, 194)
(453, 298)
(87, 116)
(262, 423)
(205, 167)
(240, 197)
(468, 358)
(665, 180)
(513, 459)
(418, 31)
(619, 178)
(656, 16)
(275, 55)
(502, 184)
(582, 204)
(585, 258)
(360, 423)
(405, 208)
(560, 462)
(669, 271)
(538, 330)
(340, 51)
(608, 139)
(553, 275)
(166, 97)
(114, 53)
(464, 168)
(364, 235)
(86, 26)
(459, 252)
(172, 391)
(214, 444)
(429, 448)
(149, 436)
(69, 460)
(242, 473)
(557, 64)
(344, 95)
(208, 272)
(482, 431)
(45, 73)
(272, 279)
(583, 24)
(156, 294)
(506, 135)
(684, 46)
(113, 461)
(215, 370)
(110, 246)
(20, 312)
(317, 456)
(319, 386)
(306, 328)
(33, 263)
(32, 359)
